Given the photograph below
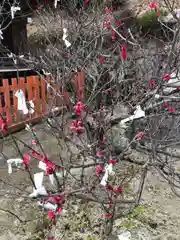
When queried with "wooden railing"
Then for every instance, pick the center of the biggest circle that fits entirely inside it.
(42, 91)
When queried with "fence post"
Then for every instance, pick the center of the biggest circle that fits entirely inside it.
(80, 84)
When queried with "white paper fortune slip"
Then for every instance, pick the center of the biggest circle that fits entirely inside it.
(14, 10)
(67, 43)
(125, 235)
(42, 166)
(108, 171)
(16, 161)
(21, 101)
(48, 206)
(32, 107)
(138, 113)
(40, 189)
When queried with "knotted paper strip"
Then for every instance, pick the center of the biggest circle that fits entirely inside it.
(40, 189)
(21, 101)
(138, 113)
(16, 161)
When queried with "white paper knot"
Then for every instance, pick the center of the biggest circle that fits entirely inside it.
(42, 166)
(108, 171)
(31, 110)
(67, 43)
(125, 235)
(16, 161)
(48, 206)
(27, 127)
(46, 73)
(40, 189)
(1, 35)
(138, 113)
(14, 10)
(21, 101)
(157, 96)
(55, 3)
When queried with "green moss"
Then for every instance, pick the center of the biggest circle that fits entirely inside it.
(149, 18)
(139, 211)
(91, 237)
(128, 224)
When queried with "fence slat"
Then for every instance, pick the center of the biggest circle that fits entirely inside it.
(43, 94)
(30, 88)
(80, 86)
(7, 100)
(36, 95)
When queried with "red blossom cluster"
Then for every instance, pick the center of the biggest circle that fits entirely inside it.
(166, 77)
(99, 169)
(170, 108)
(57, 200)
(152, 84)
(25, 162)
(139, 136)
(78, 109)
(123, 52)
(50, 166)
(101, 59)
(3, 124)
(77, 125)
(154, 7)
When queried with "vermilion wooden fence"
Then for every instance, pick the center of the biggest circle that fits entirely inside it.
(41, 90)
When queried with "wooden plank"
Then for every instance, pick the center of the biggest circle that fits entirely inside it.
(36, 95)
(80, 86)
(7, 100)
(30, 88)
(1, 108)
(43, 94)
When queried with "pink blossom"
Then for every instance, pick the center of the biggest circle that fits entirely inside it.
(106, 25)
(139, 135)
(112, 161)
(118, 23)
(166, 77)
(77, 126)
(99, 169)
(33, 142)
(152, 81)
(99, 154)
(108, 215)
(153, 6)
(51, 215)
(3, 124)
(78, 108)
(107, 18)
(124, 52)
(26, 158)
(107, 10)
(59, 211)
(50, 168)
(119, 189)
(166, 105)
(109, 188)
(172, 109)
(102, 59)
